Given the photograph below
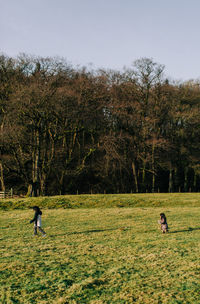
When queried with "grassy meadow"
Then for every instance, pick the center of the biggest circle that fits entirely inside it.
(101, 249)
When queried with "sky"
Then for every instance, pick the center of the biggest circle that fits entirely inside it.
(109, 34)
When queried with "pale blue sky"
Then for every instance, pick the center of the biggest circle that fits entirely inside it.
(108, 33)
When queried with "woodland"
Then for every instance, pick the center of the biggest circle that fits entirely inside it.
(77, 130)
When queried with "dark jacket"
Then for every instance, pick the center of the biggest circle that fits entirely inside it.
(37, 212)
(163, 220)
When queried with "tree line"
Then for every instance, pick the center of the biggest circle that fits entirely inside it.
(66, 130)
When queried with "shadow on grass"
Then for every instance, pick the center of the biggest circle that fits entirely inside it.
(185, 230)
(99, 230)
(93, 231)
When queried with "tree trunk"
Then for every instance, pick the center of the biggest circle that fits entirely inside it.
(36, 164)
(143, 177)
(170, 179)
(186, 179)
(43, 185)
(153, 169)
(195, 182)
(3, 188)
(61, 182)
(135, 177)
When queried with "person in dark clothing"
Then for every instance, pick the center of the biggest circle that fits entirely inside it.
(163, 223)
(37, 221)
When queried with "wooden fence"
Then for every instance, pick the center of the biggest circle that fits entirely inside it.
(6, 194)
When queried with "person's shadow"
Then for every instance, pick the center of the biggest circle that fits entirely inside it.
(185, 230)
(99, 230)
(93, 231)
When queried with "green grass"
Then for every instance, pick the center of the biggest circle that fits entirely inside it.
(103, 255)
(104, 201)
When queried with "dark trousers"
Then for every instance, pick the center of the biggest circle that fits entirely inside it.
(39, 228)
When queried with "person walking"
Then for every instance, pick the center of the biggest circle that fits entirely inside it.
(37, 220)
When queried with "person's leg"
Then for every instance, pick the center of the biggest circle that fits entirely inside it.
(41, 230)
(35, 229)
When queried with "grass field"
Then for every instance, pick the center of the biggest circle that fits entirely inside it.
(102, 255)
